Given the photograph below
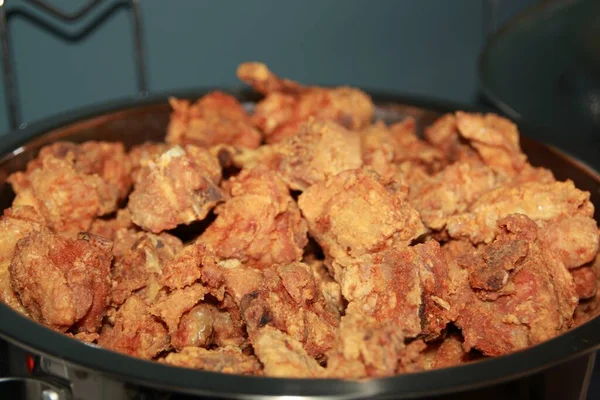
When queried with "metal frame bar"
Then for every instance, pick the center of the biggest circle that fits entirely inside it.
(9, 78)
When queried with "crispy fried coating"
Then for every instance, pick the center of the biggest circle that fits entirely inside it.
(107, 160)
(450, 192)
(108, 228)
(330, 289)
(519, 293)
(353, 214)
(206, 325)
(140, 155)
(539, 201)
(443, 134)
(179, 187)
(285, 297)
(392, 150)
(141, 264)
(69, 200)
(409, 287)
(287, 104)
(321, 149)
(496, 140)
(227, 360)
(447, 352)
(260, 224)
(586, 282)
(283, 356)
(574, 239)
(364, 347)
(215, 118)
(135, 331)
(61, 282)
(170, 307)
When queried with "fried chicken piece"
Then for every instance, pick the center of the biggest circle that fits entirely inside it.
(63, 282)
(285, 297)
(385, 149)
(16, 223)
(586, 282)
(520, 293)
(142, 154)
(142, 265)
(186, 267)
(450, 192)
(171, 307)
(135, 331)
(215, 118)
(353, 214)
(227, 360)
(179, 187)
(69, 200)
(287, 104)
(446, 353)
(443, 135)
(321, 149)
(283, 356)
(260, 224)
(364, 347)
(108, 160)
(108, 228)
(330, 289)
(574, 239)
(288, 299)
(539, 201)
(205, 325)
(496, 139)
(409, 287)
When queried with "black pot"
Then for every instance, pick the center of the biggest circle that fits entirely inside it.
(56, 365)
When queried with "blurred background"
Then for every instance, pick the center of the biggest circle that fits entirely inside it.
(429, 48)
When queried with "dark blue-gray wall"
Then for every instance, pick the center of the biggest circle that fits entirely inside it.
(425, 47)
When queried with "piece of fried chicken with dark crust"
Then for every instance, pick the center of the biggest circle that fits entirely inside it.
(179, 187)
(260, 224)
(213, 119)
(287, 104)
(63, 283)
(354, 213)
(518, 292)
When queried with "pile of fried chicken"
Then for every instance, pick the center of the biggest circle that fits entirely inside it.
(317, 243)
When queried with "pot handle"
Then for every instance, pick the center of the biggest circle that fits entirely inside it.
(32, 389)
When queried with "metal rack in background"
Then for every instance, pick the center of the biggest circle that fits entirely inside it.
(7, 13)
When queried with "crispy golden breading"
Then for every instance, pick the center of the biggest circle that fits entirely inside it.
(260, 224)
(108, 228)
(586, 282)
(283, 356)
(179, 187)
(539, 201)
(287, 104)
(142, 154)
(574, 239)
(450, 192)
(519, 293)
(63, 282)
(108, 160)
(69, 200)
(170, 307)
(353, 214)
(141, 266)
(215, 118)
(227, 360)
(496, 140)
(135, 331)
(320, 150)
